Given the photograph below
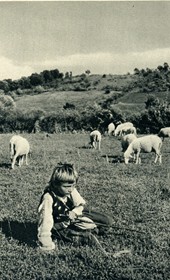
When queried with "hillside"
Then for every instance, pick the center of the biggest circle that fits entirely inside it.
(88, 102)
(126, 92)
(53, 100)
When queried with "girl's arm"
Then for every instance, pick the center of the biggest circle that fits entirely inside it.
(78, 201)
(78, 210)
(45, 223)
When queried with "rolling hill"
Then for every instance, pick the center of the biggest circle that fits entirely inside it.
(100, 89)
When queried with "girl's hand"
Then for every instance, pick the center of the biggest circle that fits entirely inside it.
(72, 215)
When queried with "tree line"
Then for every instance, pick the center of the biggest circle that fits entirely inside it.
(69, 119)
(46, 77)
(155, 115)
(151, 80)
(144, 80)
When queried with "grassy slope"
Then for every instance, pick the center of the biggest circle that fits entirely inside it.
(136, 196)
(53, 101)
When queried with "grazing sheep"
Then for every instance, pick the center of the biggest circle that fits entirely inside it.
(95, 137)
(123, 126)
(111, 128)
(145, 144)
(164, 132)
(128, 130)
(19, 148)
(126, 140)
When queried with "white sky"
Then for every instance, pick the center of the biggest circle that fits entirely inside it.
(104, 37)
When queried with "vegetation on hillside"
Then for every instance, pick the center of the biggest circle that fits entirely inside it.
(144, 80)
(154, 114)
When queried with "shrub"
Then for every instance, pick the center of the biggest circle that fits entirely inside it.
(107, 91)
(39, 89)
(69, 106)
(19, 91)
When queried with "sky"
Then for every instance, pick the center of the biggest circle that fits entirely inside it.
(105, 37)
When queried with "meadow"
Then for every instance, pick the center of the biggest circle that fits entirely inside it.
(137, 197)
(55, 100)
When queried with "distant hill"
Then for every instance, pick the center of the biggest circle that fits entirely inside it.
(144, 80)
(110, 87)
(87, 102)
(51, 90)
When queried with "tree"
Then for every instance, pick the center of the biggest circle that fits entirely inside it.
(160, 68)
(136, 71)
(7, 105)
(24, 82)
(152, 101)
(148, 70)
(143, 72)
(36, 79)
(67, 75)
(47, 76)
(87, 72)
(55, 73)
(166, 66)
(4, 85)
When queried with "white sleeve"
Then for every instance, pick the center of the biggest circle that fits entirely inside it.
(45, 223)
(77, 198)
(78, 201)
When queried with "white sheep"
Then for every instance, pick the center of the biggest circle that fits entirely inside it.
(19, 148)
(95, 139)
(111, 128)
(164, 132)
(126, 140)
(145, 144)
(122, 126)
(128, 130)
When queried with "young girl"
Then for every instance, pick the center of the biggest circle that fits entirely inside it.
(62, 210)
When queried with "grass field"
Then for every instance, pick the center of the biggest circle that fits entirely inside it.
(136, 196)
(54, 101)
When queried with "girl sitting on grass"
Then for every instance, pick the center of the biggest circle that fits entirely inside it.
(62, 214)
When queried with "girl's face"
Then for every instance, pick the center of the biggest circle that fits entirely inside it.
(65, 189)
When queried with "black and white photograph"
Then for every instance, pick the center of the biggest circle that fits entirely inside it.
(85, 140)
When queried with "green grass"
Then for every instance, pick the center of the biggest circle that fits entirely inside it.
(54, 101)
(141, 97)
(135, 101)
(136, 196)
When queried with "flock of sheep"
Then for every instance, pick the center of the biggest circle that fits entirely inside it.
(132, 145)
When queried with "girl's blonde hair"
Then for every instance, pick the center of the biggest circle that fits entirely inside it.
(63, 173)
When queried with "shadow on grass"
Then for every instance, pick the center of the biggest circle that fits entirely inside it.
(25, 233)
(85, 147)
(114, 158)
(5, 165)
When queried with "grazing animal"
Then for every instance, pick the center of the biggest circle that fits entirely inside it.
(145, 144)
(111, 128)
(19, 148)
(95, 139)
(128, 130)
(164, 132)
(120, 127)
(126, 140)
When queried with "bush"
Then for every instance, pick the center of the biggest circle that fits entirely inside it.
(39, 89)
(107, 91)
(69, 106)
